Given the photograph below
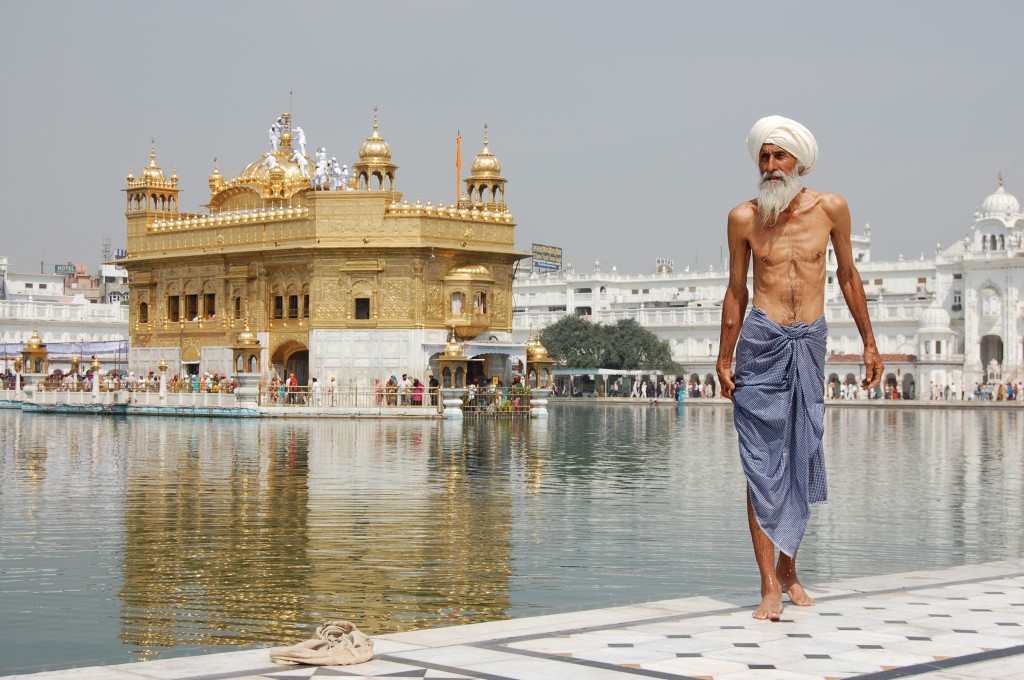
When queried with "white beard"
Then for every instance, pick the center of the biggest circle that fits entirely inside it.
(775, 197)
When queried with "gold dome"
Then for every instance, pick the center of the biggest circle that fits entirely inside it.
(131, 175)
(152, 172)
(535, 350)
(35, 342)
(486, 163)
(469, 271)
(257, 172)
(375, 148)
(247, 337)
(453, 348)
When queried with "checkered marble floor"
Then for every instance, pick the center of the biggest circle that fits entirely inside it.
(960, 623)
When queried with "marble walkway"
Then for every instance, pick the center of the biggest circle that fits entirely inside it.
(959, 623)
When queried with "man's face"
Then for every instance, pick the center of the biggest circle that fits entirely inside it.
(774, 158)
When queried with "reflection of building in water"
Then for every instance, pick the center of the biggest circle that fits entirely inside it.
(954, 318)
(215, 535)
(410, 543)
(344, 277)
(965, 466)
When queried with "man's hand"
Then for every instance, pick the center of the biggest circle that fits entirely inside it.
(873, 368)
(725, 379)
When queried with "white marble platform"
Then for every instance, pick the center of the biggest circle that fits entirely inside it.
(960, 623)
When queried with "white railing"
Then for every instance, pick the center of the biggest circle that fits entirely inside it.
(58, 311)
(349, 397)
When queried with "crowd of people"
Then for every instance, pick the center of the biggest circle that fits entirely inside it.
(113, 381)
(407, 391)
(981, 392)
(675, 390)
(394, 391)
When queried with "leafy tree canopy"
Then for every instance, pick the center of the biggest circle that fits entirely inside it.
(625, 345)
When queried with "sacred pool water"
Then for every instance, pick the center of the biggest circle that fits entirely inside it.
(123, 539)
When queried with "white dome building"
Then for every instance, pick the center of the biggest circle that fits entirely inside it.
(956, 319)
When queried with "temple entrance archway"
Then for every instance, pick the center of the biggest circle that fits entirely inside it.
(909, 386)
(292, 357)
(991, 349)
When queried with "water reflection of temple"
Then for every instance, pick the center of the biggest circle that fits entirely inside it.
(417, 545)
(215, 535)
(255, 530)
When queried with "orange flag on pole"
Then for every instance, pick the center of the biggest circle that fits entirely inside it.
(458, 166)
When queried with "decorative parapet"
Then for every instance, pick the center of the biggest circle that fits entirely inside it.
(229, 217)
(451, 212)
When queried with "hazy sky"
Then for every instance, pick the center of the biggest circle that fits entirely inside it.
(619, 126)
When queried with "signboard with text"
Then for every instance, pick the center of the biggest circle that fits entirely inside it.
(64, 269)
(546, 258)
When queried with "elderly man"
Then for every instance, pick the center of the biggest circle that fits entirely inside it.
(777, 387)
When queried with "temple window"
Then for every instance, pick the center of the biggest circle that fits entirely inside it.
(305, 306)
(458, 303)
(191, 307)
(278, 307)
(480, 303)
(362, 308)
(293, 306)
(143, 313)
(173, 308)
(210, 306)
(238, 308)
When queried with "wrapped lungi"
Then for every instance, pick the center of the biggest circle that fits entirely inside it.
(779, 409)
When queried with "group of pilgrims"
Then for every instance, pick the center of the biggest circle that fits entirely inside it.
(327, 173)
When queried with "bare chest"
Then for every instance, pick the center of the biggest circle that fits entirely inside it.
(795, 243)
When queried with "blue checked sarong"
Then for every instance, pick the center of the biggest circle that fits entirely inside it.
(779, 410)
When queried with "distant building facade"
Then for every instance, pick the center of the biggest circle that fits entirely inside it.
(955, 318)
(64, 319)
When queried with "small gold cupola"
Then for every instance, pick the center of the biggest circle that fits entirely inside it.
(152, 174)
(216, 180)
(152, 192)
(485, 186)
(375, 162)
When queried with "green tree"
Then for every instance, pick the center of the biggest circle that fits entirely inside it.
(625, 345)
(572, 340)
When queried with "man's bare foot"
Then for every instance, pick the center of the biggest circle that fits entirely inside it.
(797, 595)
(770, 608)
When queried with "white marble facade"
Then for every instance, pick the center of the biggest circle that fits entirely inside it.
(954, 317)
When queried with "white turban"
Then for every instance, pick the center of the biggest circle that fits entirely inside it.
(786, 134)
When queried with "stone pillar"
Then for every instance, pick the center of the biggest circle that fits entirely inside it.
(248, 392)
(96, 378)
(162, 398)
(539, 402)
(451, 398)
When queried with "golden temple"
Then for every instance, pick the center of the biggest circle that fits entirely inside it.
(342, 277)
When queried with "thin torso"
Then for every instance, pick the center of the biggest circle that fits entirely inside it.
(789, 260)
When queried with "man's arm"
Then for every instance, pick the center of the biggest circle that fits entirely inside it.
(852, 287)
(734, 306)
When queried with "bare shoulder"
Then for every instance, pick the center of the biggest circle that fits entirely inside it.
(743, 216)
(833, 204)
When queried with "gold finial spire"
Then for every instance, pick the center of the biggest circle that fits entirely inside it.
(375, 120)
(152, 172)
(485, 136)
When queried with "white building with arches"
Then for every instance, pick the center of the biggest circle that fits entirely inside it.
(953, 319)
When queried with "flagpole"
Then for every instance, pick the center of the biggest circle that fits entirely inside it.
(458, 166)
